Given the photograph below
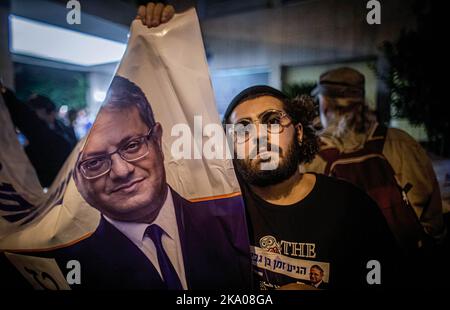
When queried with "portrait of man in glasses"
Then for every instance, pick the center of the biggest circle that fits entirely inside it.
(149, 237)
(120, 170)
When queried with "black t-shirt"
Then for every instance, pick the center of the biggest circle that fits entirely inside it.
(332, 233)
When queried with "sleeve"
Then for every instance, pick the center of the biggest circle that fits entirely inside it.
(414, 167)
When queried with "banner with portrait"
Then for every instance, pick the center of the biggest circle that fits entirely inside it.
(142, 164)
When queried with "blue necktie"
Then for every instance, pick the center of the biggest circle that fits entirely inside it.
(168, 272)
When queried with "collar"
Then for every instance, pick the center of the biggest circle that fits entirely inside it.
(166, 219)
(317, 284)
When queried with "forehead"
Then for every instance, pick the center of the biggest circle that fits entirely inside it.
(112, 127)
(314, 270)
(254, 107)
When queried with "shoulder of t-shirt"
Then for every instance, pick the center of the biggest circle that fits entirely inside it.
(336, 183)
(360, 212)
(345, 191)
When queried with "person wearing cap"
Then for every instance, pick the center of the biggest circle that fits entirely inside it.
(298, 220)
(352, 133)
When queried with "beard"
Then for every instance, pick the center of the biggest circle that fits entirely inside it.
(249, 169)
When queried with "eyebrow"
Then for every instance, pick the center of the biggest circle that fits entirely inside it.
(259, 115)
(243, 119)
(121, 143)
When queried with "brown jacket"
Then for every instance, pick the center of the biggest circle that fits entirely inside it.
(411, 165)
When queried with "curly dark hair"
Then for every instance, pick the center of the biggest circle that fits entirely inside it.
(302, 110)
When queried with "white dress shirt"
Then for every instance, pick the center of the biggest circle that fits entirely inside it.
(317, 284)
(170, 239)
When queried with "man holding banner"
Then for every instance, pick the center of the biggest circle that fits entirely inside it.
(303, 222)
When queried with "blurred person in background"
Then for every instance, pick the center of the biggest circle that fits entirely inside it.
(45, 109)
(386, 162)
(72, 115)
(82, 123)
(48, 143)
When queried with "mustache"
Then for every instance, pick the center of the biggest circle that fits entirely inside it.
(268, 147)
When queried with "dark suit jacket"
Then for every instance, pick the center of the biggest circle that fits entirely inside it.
(323, 285)
(214, 242)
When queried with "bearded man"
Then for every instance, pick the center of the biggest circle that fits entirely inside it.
(300, 220)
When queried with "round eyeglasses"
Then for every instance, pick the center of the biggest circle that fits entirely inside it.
(274, 120)
(133, 150)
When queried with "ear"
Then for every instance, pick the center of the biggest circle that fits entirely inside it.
(299, 133)
(157, 136)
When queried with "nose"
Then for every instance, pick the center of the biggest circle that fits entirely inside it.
(256, 131)
(261, 136)
(120, 169)
(261, 130)
(258, 139)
